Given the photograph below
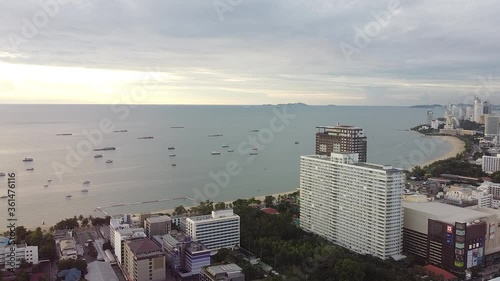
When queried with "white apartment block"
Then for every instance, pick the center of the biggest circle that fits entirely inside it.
(352, 204)
(491, 164)
(21, 252)
(219, 230)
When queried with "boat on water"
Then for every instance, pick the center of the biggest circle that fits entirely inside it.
(98, 156)
(49, 180)
(215, 153)
(68, 196)
(120, 131)
(3, 197)
(217, 135)
(171, 155)
(145, 138)
(105, 148)
(254, 153)
(254, 148)
(86, 182)
(296, 142)
(254, 131)
(30, 169)
(28, 159)
(85, 190)
(109, 161)
(2, 174)
(173, 165)
(46, 185)
(65, 134)
(177, 127)
(225, 145)
(230, 150)
(171, 148)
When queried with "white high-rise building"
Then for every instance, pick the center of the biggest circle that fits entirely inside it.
(430, 116)
(352, 204)
(219, 230)
(478, 109)
(491, 164)
(491, 125)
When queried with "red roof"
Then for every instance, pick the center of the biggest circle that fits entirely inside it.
(270, 211)
(439, 271)
(37, 276)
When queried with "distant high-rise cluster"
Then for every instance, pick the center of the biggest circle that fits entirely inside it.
(478, 112)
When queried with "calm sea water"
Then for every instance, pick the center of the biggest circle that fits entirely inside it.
(142, 169)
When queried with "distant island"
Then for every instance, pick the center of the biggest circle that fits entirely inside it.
(428, 106)
(287, 104)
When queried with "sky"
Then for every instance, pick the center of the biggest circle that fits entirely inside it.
(342, 52)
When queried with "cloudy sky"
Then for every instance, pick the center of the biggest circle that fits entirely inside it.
(345, 52)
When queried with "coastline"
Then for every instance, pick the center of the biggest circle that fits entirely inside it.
(458, 146)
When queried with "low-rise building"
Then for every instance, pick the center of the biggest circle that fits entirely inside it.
(219, 230)
(67, 249)
(185, 256)
(226, 272)
(159, 225)
(11, 256)
(144, 261)
(122, 236)
(451, 237)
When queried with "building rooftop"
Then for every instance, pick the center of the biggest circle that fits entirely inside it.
(446, 213)
(100, 271)
(144, 248)
(270, 211)
(440, 272)
(340, 127)
(159, 219)
(221, 269)
(387, 168)
(132, 232)
(4, 241)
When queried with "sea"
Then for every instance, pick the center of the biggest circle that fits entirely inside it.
(142, 169)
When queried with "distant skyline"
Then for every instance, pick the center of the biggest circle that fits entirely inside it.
(249, 52)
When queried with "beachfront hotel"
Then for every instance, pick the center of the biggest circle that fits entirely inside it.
(219, 230)
(341, 139)
(352, 204)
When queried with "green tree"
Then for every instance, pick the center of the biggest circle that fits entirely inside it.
(348, 270)
(85, 222)
(220, 206)
(23, 276)
(269, 201)
(107, 246)
(81, 265)
(21, 233)
(180, 210)
(495, 177)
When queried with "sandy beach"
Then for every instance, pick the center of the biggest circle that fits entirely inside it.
(458, 146)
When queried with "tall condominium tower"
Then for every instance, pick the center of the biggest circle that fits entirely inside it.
(487, 107)
(478, 109)
(341, 139)
(352, 204)
(491, 125)
(430, 117)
